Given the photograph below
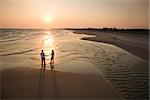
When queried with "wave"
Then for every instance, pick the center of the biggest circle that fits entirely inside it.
(17, 35)
(10, 40)
(16, 53)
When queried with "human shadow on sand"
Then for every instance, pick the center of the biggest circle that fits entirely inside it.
(54, 82)
(40, 92)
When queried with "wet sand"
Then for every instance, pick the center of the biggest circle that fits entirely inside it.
(33, 83)
(137, 44)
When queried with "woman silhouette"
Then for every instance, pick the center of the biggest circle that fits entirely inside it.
(52, 57)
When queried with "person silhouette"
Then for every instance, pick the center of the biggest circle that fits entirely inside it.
(43, 59)
(52, 57)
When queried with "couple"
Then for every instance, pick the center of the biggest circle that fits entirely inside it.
(43, 58)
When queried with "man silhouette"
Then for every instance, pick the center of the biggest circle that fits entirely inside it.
(43, 59)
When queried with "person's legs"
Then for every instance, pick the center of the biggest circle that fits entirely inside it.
(51, 61)
(44, 63)
(41, 63)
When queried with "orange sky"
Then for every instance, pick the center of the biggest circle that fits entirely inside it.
(73, 13)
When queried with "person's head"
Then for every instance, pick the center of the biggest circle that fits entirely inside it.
(52, 50)
(42, 50)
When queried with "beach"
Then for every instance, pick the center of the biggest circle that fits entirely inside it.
(31, 83)
(135, 43)
(104, 68)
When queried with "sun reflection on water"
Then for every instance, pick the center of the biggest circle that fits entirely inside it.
(48, 43)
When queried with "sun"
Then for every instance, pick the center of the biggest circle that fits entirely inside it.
(47, 19)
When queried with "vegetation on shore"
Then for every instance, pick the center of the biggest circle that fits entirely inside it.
(145, 31)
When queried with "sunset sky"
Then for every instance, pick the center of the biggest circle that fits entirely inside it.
(73, 13)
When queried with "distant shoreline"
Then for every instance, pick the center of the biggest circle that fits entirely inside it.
(140, 31)
(135, 41)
